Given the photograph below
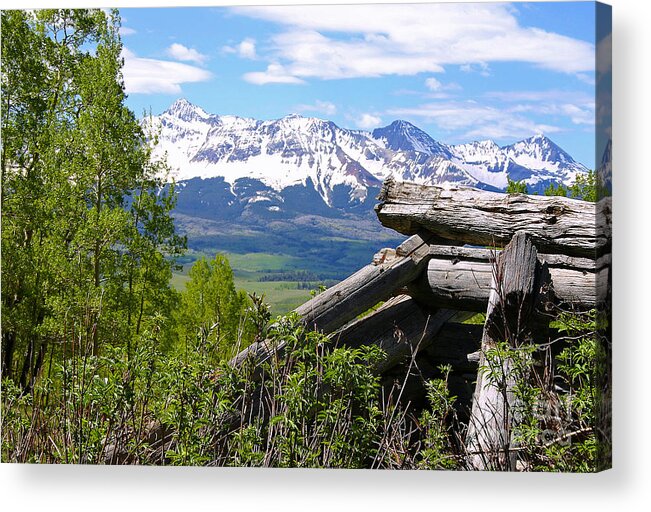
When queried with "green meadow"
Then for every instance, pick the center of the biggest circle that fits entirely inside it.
(250, 268)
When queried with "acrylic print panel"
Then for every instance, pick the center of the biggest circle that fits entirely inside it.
(324, 236)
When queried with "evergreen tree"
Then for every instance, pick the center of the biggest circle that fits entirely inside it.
(585, 187)
(558, 190)
(516, 187)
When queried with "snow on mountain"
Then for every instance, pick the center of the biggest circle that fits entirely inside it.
(545, 159)
(404, 136)
(485, 161)
(337, 162)
(293, 150)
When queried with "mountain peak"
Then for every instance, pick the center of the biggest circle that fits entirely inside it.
(538, 147)
(341, 165)
(186, 111)
(401, 135)
(539, 138)
(293, 115)
(402, 124)
(487, 143)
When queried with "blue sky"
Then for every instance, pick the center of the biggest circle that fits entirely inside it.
(460, 72)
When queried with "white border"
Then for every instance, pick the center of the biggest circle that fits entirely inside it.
(179, 489)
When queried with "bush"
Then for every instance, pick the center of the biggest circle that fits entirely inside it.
(310, 405)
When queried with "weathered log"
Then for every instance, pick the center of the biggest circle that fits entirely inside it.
(370, 285)
(471, 216)
(460, 278)
(400, 327)
(509, 316)
(457, 345)
(346, 300)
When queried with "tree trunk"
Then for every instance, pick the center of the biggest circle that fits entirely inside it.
(328, 311)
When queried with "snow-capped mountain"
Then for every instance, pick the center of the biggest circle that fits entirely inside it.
(282, 153)
(343, 167)
(403, 136)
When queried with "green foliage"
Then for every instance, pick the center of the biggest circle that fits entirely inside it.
(321, 288)
(326, 405)
(586, 187)
(87, 237)
(516, 187)
(437, 425)
(551, 417)
(213, 311)
(314, 405)
(152, 408)
(558, 190)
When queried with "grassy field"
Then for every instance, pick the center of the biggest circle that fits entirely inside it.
(282, 296)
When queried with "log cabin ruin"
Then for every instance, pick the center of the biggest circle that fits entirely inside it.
(515, 258)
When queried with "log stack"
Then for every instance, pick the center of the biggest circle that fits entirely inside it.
(466, 248)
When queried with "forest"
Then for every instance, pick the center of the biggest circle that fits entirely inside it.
(105, 362)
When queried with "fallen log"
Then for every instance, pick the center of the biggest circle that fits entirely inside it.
(460, 278)
(338, 305)
(471, 216)
(400, 327)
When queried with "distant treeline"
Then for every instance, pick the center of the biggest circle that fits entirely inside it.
(303, 285)
(306, 285)
(291, 275)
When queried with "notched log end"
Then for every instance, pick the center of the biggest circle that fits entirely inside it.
(386, 255)
(384, 191)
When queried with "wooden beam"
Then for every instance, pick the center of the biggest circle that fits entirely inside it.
(400, 327)
(460, 278)
(471, 216)
(509, 317)
(338, 305)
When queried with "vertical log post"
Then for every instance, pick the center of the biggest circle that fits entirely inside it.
(509, 317)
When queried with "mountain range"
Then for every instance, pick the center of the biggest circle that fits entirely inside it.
(310, 156)
(305, 187)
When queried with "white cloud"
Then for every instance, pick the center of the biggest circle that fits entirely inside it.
(377, 40)
(245, 49)
(476, 67)
(438, 87)
(540, 96)
(179, 52)
(576, 114)
(587, 78)
(151, 76)
(126, 31)
(477, 121)
(579, 114)
(274, 74)
(368, 121)
(433, 84)
(577, 107)
(323, 107)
